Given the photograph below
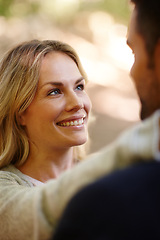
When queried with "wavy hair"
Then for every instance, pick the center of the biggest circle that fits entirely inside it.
(19, 76)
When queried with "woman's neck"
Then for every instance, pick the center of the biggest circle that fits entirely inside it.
(44, 167)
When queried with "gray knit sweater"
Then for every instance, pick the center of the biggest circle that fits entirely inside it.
(29, 212)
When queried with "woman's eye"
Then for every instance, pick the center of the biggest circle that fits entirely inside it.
(80, 87)
(54, 92)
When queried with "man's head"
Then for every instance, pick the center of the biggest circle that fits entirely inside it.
(144, 40)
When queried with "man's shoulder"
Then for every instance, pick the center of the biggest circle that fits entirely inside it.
(141, 169)
(140, 180)
(136, 177)
(126, 200)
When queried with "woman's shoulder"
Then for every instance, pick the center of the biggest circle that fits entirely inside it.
(11, 175)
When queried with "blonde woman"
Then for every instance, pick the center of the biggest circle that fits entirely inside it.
(44, 111)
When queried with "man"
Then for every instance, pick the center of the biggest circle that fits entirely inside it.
(125, 205)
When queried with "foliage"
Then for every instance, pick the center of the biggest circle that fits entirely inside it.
(118, 8)
(5, 6)
(10, 8)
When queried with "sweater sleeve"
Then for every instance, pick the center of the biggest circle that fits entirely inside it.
(32, 213)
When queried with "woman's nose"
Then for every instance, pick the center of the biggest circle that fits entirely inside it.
(74, 102)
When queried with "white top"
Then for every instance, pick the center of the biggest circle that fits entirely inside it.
(34, 181)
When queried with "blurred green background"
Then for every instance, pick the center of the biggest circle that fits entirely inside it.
(64, 10)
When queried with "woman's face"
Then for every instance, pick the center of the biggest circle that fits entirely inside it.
(57, 117)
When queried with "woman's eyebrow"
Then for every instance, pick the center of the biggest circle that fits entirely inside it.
(80, 79)
(60, 83)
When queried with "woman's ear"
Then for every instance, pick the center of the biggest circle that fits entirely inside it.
(21, 118)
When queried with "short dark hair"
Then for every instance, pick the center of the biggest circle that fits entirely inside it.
(148, 22)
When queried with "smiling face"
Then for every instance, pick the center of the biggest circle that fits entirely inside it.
(145, 77)
(57, 117)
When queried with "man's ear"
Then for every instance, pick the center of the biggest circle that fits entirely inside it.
(157, 59)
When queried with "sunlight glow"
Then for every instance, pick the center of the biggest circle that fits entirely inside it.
(118, 50)
(60, 8)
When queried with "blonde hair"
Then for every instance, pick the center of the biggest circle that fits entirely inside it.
(19, 75)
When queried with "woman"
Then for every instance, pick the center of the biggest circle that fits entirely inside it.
(60, 101)
(44, 112)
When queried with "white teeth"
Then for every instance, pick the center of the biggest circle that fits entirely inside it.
(72, 123)
(81, 121)
(75, 123)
